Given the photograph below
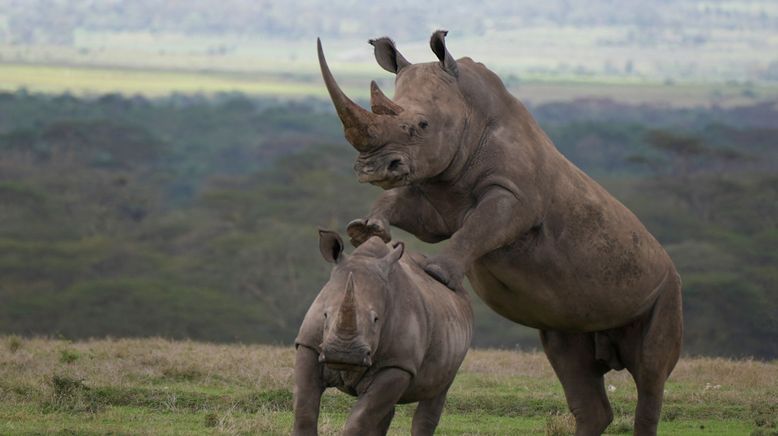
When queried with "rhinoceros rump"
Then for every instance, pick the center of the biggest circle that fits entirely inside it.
(383, 330)
(542, 243)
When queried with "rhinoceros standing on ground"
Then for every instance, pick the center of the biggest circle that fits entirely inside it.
(542, 243)
(381, 329)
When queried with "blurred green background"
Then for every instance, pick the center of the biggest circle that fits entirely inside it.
(164, 166)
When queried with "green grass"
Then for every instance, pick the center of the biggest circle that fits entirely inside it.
(94, 80)
(152, 83)
(155, 386)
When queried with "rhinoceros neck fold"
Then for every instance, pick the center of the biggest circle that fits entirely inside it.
(469, 153)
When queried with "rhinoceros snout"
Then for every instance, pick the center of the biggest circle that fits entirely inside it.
(346, 356)
(387, 172)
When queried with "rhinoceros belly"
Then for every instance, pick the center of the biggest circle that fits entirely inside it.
(602, 279)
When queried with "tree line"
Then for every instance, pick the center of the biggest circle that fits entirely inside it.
(194, 217)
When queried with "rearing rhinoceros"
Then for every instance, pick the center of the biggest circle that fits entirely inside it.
(542, 244)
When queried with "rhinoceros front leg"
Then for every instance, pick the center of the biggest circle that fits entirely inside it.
(427, 415)
(404, 207)
(369, 415)
(498, 219)
(308, 388)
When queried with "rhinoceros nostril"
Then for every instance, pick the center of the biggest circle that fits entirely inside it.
(393, 165)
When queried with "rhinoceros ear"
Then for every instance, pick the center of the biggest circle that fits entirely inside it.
(387, 56)
(438, 45)
(398, 248)
(387, 262)
(330, 245)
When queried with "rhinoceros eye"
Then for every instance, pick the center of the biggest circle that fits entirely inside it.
(410, 129)
(423, 124)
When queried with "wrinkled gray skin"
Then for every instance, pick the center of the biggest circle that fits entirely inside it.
(543, 244)
(383, 330)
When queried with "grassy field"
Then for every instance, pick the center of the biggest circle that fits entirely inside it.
(155, 386)
(150, 83)
(96, 80)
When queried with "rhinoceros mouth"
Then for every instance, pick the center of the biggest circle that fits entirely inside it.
(385, 183)
(350, 360)
(345, 366)
(396, 172)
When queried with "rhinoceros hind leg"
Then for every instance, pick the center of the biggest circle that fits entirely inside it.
(572, 355)
(427, 415)
(650, 348)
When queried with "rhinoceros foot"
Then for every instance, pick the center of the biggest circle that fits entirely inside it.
(360, 230)
(447, 271)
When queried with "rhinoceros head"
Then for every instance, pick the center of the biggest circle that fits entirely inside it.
(413, 137)
(353, 323)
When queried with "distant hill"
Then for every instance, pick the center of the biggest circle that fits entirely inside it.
(660, 40)
(49, 21)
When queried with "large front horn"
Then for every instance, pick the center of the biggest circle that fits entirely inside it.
(347, 314)
(356, 121)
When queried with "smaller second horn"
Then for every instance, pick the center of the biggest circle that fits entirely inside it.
(381, 104)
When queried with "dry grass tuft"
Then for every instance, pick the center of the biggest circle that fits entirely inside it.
(69, 395)
(560, 424)
(621, 424)
(14, 343)
(68, 356)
